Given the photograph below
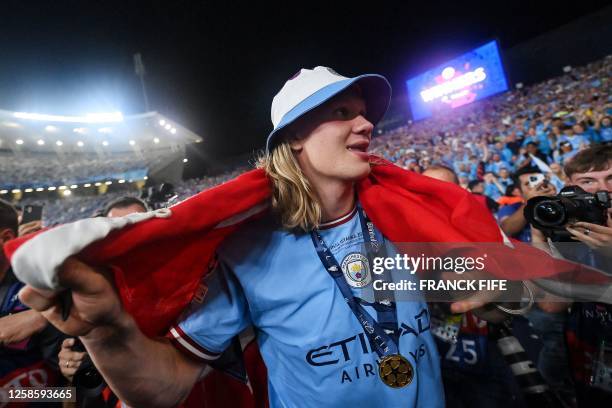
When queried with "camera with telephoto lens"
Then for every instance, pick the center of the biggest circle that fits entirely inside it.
(552, 214)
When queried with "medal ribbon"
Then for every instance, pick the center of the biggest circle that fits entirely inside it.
(383, 335)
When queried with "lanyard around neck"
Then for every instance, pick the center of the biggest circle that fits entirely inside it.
(383, 343)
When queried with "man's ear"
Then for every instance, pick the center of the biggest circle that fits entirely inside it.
(6, 234)
(296, 143)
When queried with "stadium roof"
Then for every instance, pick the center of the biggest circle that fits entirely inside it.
(24, 131)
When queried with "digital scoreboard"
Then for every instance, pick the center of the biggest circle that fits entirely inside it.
(475, 75)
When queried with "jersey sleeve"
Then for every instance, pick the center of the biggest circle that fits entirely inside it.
(218, 313)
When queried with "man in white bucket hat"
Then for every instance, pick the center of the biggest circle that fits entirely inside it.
(301, 276)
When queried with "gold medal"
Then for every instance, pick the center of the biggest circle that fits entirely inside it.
(395, 371)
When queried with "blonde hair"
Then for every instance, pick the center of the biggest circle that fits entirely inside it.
(293, 197)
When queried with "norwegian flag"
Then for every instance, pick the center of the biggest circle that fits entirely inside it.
(158, 258)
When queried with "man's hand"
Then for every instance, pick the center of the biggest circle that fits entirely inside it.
(598, 237)
(94, 300)
(142, 372)
(69, 361)
(543, 189)
(30, 227)
(490, 178)
(19, 326)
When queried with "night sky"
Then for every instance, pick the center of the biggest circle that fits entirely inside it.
(215, 66)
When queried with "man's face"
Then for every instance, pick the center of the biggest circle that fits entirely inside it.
(593, 181)
(121, 211)
(542, 189)
(333, 140)
(503, 173)
(478, 188)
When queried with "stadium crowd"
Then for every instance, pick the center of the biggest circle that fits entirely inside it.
(51, 169)
(484, 142)
(491, 147)
(491, 139)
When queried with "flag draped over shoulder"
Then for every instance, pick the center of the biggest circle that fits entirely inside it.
(158, 261)
(159, 258)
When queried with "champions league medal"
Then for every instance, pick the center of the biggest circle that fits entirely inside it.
(395, 371)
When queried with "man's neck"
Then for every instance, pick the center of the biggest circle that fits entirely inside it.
(337, 199)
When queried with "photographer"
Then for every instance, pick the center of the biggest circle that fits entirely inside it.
(591, 170)
(72, 355)
(547, 324)
(531, 183)
(589, 332)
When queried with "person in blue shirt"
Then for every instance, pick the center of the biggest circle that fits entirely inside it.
(473, 166)
(603, 127)
(300, 277)
(496, 164)
(578, 141)
(504, 178)
(531, 136)
(565, 153)
(492, 189)
(507, 154)
(588, 135)
(307, 334)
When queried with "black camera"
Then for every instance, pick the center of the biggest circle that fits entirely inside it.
(551, 214)
(87, 378)
(159, 196)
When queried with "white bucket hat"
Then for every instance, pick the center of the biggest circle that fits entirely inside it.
(310, 88)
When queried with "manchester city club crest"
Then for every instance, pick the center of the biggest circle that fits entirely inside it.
(356, 270)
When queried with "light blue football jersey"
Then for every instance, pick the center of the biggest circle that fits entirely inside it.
(315, 350)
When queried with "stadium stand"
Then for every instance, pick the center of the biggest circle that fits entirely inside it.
(560, 115)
